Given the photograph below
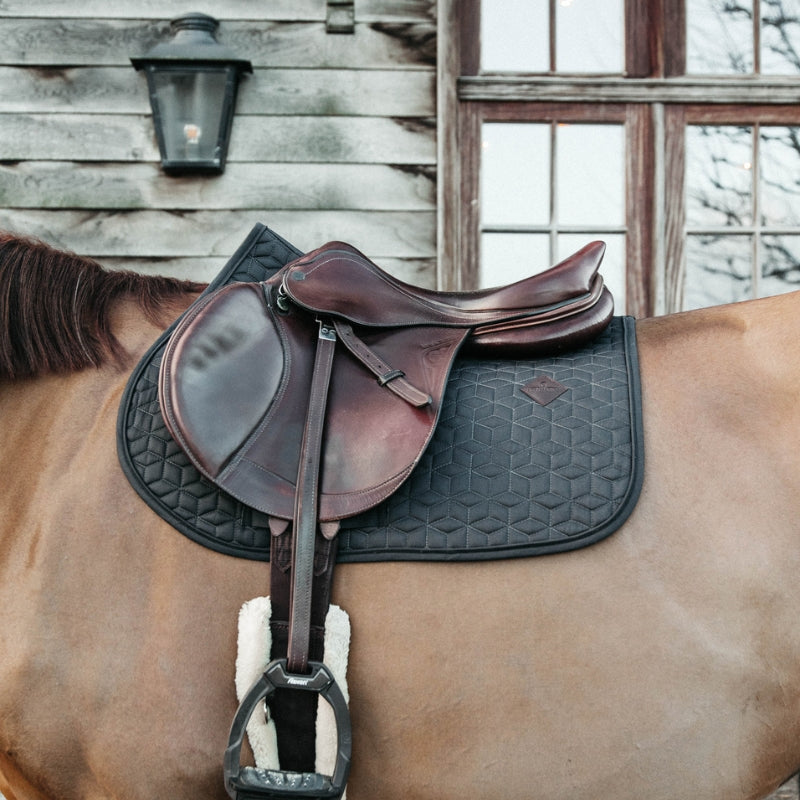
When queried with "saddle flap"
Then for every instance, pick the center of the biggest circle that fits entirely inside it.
(224, 362)
(234, 390)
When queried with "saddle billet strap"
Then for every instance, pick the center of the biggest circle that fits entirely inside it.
(392, 379)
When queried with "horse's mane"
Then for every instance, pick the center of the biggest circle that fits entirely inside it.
(55, 307)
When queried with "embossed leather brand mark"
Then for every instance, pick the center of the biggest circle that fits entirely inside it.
(544, 390)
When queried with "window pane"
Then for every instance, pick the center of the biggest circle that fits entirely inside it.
(779, 180)
(780, 37)
(780, 265)
(718, 270)
(719, 37)
(509, 257)
(515, 36)
(719, 166)
(515, 174)
(589, 36)
(613, 267)
(591, 175)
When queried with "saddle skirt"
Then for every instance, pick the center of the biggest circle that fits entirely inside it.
(502, 474)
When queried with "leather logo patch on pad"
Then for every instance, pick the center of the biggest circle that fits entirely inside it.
(544, 390)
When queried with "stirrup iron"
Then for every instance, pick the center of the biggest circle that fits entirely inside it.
(250, 783)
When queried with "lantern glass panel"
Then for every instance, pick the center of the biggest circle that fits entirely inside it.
(192, 108)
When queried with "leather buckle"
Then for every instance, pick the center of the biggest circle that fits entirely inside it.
(250, 783)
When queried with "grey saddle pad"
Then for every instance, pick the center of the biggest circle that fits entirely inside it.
(505, 475)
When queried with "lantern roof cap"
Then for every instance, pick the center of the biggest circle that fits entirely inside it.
(192, 42)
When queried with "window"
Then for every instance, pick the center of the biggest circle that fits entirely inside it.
(668, 128)
(742, 212)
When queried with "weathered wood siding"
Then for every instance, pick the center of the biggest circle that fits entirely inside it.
(334, 135)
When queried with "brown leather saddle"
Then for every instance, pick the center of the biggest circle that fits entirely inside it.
(332, 373)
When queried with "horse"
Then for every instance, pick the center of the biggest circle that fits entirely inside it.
(662, 662)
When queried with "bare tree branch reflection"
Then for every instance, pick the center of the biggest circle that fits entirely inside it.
(780, 33)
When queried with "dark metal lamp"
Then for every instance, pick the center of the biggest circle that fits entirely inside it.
(192, 80)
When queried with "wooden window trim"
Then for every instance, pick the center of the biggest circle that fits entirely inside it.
(549, 88)
(672, 49)
(742, 115)
(457, 49)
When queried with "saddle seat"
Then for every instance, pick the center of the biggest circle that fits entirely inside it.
(250, 348)
(337, 279)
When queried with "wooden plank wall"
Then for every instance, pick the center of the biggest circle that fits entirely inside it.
(334, 136)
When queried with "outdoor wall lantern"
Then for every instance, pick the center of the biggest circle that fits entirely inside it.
(192, 80)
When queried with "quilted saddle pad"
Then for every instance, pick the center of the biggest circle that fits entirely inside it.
(528, 457)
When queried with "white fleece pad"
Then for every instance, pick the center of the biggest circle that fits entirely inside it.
(255, 642)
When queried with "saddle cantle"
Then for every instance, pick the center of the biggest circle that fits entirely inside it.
(250, 349)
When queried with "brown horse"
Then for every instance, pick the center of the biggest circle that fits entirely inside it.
(663, 662)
